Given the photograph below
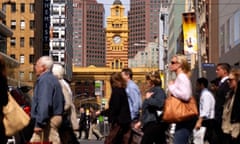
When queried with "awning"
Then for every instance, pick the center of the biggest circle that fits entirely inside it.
(2, 15)
(5, 31)
(10, 61)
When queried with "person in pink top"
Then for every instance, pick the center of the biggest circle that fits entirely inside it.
(181, 88)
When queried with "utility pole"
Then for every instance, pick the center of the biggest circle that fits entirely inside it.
(199, 52)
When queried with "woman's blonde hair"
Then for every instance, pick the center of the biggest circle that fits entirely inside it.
(182, 60)
(58, 70)
(236, 73)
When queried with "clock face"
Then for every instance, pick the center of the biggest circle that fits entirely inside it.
(116, 39)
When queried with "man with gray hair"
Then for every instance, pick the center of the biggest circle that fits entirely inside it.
(47, 103)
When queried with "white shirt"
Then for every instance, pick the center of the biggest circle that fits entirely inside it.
(207, 104)
(182, 87)
(223, 79)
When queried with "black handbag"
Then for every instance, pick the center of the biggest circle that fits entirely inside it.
(136, 136)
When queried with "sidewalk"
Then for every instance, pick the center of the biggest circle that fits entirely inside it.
(91, 142)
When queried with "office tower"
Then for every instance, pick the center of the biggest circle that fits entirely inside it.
(54, 32)
(143, 19)
(229, 34)
(21, 20)
(88, 33)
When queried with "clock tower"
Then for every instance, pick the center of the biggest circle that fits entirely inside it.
(117, 37)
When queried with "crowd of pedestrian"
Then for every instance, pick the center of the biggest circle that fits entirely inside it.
(218, 106)
(52, 107)
(55, 116)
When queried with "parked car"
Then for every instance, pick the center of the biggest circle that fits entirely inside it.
(24, 100)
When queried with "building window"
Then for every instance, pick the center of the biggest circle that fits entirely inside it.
(13, 24)
(31, 59)
(32, 8)
(31, 41)
(4, 6)
(13, 7)
(55, 58)
(30, 76)
(13, 56)
(22, 59)
(32, 24)
(13, 42)
(22, 42)
(22, 7)
(21, 75)
(22, 24)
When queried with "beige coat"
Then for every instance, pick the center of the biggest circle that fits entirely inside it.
(69, 106)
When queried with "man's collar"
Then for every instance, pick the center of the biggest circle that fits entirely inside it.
(224, 79)
(43, 73)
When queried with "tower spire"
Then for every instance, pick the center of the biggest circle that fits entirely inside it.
(117, 2)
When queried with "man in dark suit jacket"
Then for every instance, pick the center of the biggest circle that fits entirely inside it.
(222, 71)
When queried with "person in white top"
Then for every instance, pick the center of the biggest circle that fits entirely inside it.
(181, 88)
(206, 109)
(70, 123)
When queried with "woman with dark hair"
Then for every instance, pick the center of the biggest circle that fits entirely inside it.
(119, 113)
(3, 98)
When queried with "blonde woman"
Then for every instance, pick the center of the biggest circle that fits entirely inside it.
(231, 117)
(181, 88)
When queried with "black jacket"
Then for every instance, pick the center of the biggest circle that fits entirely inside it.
(152, 104)
(235, 116)
(3, 102)
(221, 94)
(118, 107)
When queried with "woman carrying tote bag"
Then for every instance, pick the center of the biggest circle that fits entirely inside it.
(181, 89)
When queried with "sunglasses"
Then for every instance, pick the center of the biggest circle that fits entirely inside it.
(173, 62)
(231, 79)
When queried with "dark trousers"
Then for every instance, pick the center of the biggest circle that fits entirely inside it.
(210, 134)
(3, 137)
(181, 135)
(154, 132)
(66, 133)
(85, 130)
(228, 139)
(119, 134)
(183, 131)
(218, 136)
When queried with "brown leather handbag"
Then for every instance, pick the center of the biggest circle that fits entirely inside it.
(176, 110)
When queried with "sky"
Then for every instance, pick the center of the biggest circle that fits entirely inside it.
(108, 3)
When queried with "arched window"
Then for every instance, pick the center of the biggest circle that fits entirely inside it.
(112, 65)
(117, 64)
